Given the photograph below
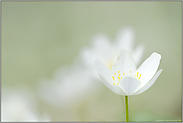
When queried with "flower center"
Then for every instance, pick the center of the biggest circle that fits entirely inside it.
(117, 77)
(138, 76)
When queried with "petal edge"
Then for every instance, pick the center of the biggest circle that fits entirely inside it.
(149, 84)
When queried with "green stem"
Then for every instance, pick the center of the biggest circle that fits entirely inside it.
(126, 105)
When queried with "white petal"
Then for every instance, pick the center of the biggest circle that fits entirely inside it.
(149, 84)
(100, 48)
(125, 38)
(149, 68)
(129, 85)
(106, 76)
(123, 62)
(138, 52)
(113, 88)
(101, 41)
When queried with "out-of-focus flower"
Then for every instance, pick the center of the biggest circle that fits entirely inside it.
(19, 106)
(104, 49)
(68, 87)
(71, 85)
(125, 78)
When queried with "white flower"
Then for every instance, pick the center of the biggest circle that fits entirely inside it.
(18, 105)
(104, 49)
(69, 86)
(125, 78)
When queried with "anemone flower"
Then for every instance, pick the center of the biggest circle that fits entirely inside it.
(124, 78)
(103, 48)
(69, 84)
(67, 87)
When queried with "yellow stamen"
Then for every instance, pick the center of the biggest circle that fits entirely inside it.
(118, 71)
(112, 76)
(117, 83)
(121, 77)
(119, 74)
(140, 76)
(130, 71)
(123, 73)
(137, 74)
(114, 73)
(113, 83)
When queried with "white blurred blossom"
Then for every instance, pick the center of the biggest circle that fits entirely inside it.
(18, 105)
(71, 85)
(104, 49)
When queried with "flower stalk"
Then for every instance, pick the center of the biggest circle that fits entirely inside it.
(126, 106)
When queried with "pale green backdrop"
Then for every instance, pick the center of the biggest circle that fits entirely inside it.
(39, 37)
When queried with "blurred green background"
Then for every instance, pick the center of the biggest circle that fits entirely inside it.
(39, 37)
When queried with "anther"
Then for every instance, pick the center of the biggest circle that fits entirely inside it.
(140, 76)
(118, 71)
(113, 83)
